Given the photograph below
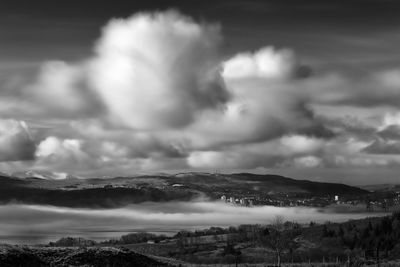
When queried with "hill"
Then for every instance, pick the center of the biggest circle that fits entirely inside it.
(120, 191)
(358, 242)
(11, 256)
(353, 243)
(263, 183)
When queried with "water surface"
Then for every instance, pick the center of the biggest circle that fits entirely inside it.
(33, 224)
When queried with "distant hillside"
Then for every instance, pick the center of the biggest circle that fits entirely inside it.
(264, 183)
(82, 194)
(120, 191)
(381, 187)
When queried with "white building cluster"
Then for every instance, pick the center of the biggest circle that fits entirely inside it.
(238, 201)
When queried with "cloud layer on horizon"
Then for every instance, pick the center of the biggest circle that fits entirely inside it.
(157, 95)
(55, 222)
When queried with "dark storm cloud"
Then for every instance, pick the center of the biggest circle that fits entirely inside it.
(348, 126)
(317, 127)
(390, 132)
(274, 22)
(365, 9)
(383, 147)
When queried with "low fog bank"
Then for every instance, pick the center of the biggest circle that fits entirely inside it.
(32, 224)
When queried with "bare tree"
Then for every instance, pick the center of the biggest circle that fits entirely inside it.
(275, 238)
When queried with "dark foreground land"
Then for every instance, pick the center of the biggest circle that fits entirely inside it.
(366, 242)
(21, 256)
(17, 256)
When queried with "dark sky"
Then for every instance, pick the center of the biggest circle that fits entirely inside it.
(324, 31)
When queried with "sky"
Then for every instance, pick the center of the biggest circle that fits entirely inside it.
(308, 89)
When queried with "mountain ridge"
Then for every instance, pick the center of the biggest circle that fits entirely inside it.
(121, 191)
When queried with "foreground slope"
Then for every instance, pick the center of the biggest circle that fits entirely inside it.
(11, 256)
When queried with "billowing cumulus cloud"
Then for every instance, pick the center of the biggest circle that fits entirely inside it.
(266, 101)
(307, 161)
(164, 70)
(390, 120)
(149, 71)
(292, 150)
(115, 155)
(266, 63)
(157, 95)
(16, 142)
(62, 154)
(63, 91)
(301, 144)
(159, 75)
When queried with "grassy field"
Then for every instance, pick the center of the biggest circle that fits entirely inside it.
(331, 244)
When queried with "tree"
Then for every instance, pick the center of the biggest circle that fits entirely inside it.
(325, 232)
(368, 204)
(180, 241)
(341, 231)
(275, 238)
(231, 250)
(370, 226)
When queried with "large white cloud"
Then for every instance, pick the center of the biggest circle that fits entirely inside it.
(157, 70)
(164, 69)
(156, 95)
(267, 62)
(158, 75)
(110, 156)
(266, 102)
(63, 155)
(149, 71)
